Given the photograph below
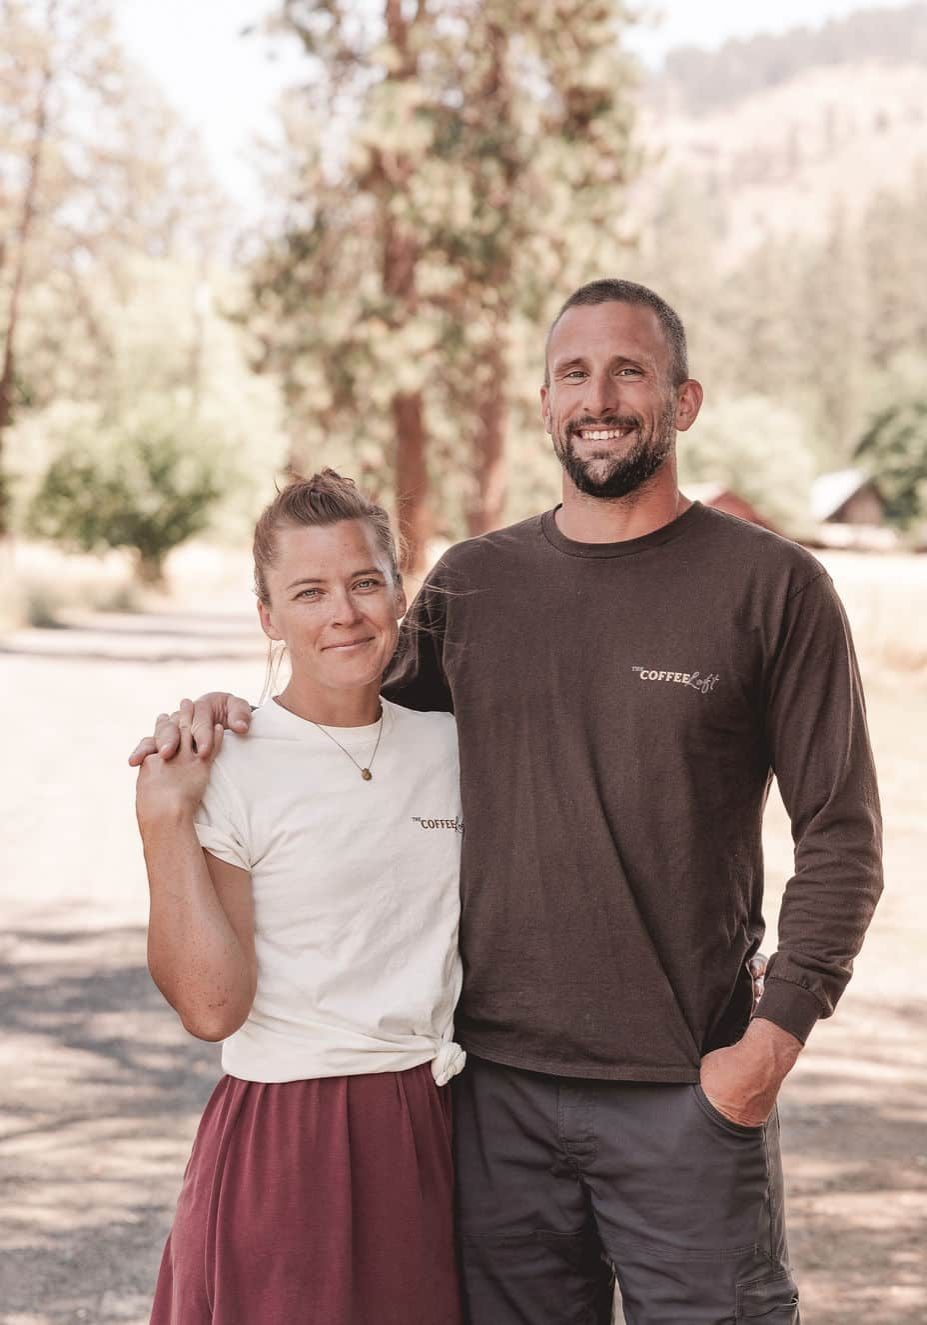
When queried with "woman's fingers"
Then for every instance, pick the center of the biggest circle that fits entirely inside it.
(148, 746)
(165, 742)
(167, 735)
(184, 722)
(204, 723)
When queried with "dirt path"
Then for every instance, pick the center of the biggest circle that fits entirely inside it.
(100, 1089)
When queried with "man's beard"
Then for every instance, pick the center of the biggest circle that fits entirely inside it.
(626, 472)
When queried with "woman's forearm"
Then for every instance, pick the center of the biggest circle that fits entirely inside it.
(194, 954)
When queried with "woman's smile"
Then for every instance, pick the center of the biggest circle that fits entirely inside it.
(349, 644)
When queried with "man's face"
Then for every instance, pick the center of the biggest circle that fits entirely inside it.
(611, 408)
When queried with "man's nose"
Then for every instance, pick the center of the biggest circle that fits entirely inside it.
(602, 395)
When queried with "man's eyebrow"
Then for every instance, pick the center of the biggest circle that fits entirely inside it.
(578, 361)
(310, 579)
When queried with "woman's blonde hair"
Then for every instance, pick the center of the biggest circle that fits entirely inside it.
(324, 499)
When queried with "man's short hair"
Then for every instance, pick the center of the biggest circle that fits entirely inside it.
(612, 291)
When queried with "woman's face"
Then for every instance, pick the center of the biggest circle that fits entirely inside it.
(334, 603)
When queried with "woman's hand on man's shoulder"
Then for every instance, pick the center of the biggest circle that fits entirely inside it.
(216, 709)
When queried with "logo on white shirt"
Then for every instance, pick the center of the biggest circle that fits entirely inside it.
(455, 823)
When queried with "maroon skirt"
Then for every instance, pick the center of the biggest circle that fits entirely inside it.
(323, 1202)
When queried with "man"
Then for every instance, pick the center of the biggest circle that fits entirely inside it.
(627, 672)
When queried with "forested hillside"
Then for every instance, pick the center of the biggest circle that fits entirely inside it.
(701, 81)
(783, 210)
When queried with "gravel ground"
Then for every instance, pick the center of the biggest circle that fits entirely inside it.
(100, 1089)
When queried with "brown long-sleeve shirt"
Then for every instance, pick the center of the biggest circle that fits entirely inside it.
(622, 708)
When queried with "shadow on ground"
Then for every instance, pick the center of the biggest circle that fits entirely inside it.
(100, 1092)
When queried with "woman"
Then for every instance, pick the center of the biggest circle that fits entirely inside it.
(304, 910)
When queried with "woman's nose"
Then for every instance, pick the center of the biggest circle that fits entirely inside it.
(344, 608)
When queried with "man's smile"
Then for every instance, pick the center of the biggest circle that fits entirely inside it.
(603, 434)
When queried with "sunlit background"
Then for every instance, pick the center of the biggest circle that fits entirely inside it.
(240, 239)
(246, 238)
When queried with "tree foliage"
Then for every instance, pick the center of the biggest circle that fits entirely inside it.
(174, 357)
(894, 448)
(451, 171)
(139, 483)
(819, 326)
(95, 170)
(456, 168)
(758, 449)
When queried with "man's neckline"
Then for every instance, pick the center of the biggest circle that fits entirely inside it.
(624, 547)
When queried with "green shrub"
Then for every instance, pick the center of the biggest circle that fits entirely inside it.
(147, 484)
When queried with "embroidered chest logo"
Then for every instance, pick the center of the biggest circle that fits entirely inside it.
(456, 823)
(694, 680)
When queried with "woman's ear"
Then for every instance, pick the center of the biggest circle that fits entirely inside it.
(402, 605)
(267, 624)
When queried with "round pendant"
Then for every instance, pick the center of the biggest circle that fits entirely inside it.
(366, 774)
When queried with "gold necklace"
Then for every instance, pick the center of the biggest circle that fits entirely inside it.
(364, 772)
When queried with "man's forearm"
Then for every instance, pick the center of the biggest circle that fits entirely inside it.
(194, 954)
(772, 1046)
(820, 750)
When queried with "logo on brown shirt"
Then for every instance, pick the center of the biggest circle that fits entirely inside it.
(694, 680)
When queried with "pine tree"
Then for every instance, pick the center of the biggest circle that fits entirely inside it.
(460, 165)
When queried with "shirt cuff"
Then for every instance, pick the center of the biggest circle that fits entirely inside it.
(221, 845)
(790, 1006)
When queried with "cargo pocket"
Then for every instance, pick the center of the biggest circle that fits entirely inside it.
(773, 1300)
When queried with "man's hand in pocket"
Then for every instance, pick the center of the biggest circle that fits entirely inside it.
(742, 1081)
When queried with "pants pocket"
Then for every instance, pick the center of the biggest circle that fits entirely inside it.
(772, 1300)
(716, 1116)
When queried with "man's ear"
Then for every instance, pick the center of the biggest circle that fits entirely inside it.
(688, 403)
(267, 624)
(545, 407)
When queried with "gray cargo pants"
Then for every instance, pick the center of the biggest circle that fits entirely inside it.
(563, 1184)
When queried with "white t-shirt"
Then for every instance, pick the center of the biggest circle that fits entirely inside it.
(356, 892)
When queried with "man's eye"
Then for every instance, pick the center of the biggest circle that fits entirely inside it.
(634, 372)
(308, 593)
(576, 372)
(367, 584)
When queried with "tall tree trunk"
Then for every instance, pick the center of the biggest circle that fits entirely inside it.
(400, 257)
(411, 481)
(22, 233)
(149, 571)
(489, 442)
(488, 460)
